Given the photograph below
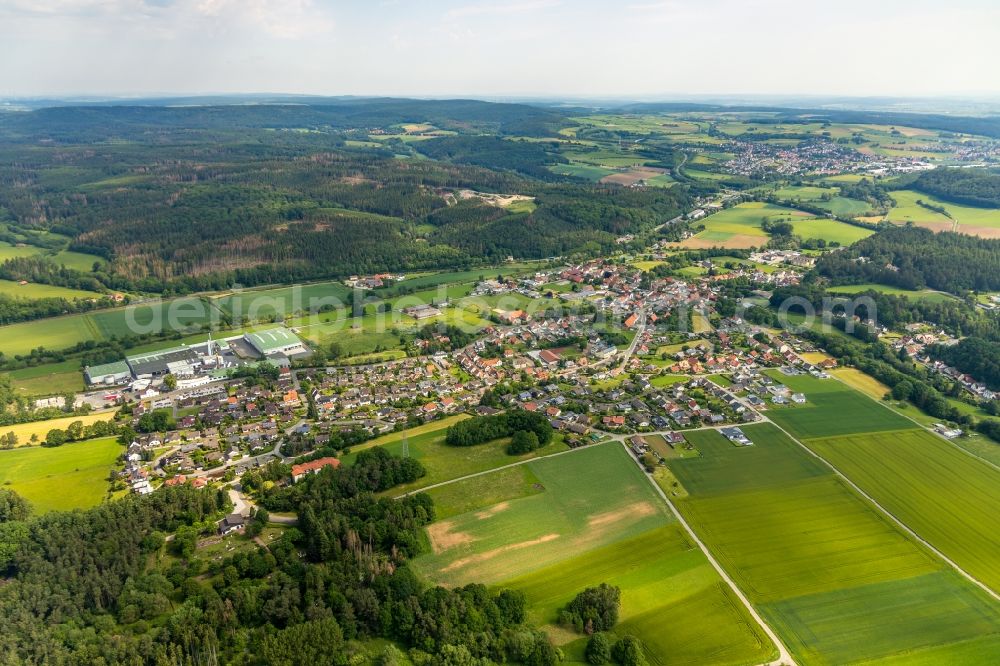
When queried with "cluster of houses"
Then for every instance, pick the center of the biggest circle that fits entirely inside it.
(915, 344)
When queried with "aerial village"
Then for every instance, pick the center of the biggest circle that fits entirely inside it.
(625, 357)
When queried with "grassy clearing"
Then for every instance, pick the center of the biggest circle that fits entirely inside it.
(740, 226)
(50, 379)
(861, 381)
(35, 291)
(837, 580)
(54, 333)
(73, 476)
(672, 599)
(593, 497)
(444, 462)
(578, 170)
(722, 467)
(24, 431)
(483, 491)
(945, 495)
(887, 619)
(829, 401)
(977, 221)
(832, 231)
(924, 294)
(282, 301)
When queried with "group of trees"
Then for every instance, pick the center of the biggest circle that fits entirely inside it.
(91, 587)
(974, 356)
(594, 612)
(536, 429)
(77, 431)
(910, 257)
(269, 207)
(970, 187)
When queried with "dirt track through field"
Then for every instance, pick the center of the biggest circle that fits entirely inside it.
(491, 554)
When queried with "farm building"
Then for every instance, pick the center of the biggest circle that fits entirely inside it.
(275, 341)
(109, 374)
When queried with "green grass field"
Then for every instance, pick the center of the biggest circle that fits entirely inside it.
(282, 301)
(832, 574)
(443, 462)
(828, 403)
(75, 260)
(832, 231)
(51, 379)
(976, 221)
(66, 331)
(593, 497)
(554, 526)
(32, 291)
(672, 599)
(73, 476)
(54, 333)
(739, 226)
(578, 170)
(948, 497)
(923, 295)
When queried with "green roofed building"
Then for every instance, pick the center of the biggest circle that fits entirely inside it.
(274, 341)
(109, 374)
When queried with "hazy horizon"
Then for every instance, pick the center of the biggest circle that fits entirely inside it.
(523, 49)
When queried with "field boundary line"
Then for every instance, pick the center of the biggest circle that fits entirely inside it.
(497, 469)
(784, 656)
(918, 424)
(906, 528)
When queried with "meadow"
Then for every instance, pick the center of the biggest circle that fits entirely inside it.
(968, 219)
(75, 260)
(832, 574)
(101, 325)
(814, 195)
(923, 294)
(828, 402)
(593, 497)
(35, 291)
(445, 463)
(553, 526)
(739, 226)
(24, 431)
(944, 494)
(672, 600)
(832, 231)
(282, 301)
(73, 476)
(51, 379)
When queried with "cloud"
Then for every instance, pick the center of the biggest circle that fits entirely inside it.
(500, 8)
(285, 19)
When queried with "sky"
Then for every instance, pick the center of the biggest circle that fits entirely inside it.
(519, 48)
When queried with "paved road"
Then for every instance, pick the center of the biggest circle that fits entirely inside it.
(784, 656)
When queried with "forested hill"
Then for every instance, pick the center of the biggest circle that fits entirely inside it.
(195, 198)
(979, 125)
(972, 187)
(82, 124)
(915, 258)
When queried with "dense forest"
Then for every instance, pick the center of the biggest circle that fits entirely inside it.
(105, 586)
(971, 187)
(158, 121)
(914, 258)
(198, 204)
